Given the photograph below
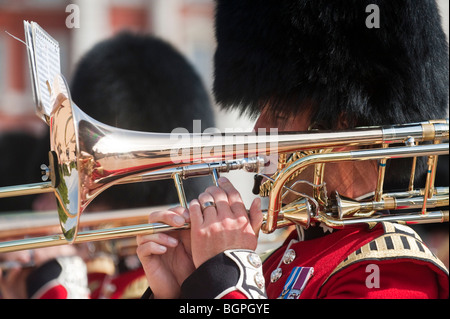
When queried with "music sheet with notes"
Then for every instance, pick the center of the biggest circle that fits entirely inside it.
(45, 66)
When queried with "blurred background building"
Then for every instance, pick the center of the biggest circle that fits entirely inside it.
(186, 24)
(79, 24)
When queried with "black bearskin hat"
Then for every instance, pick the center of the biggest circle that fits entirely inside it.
(142, 83)
(284, 53)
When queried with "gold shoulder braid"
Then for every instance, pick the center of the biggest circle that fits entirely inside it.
(398, 241)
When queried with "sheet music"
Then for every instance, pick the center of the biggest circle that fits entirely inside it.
(45, 65)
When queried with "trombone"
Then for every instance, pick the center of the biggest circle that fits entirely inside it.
(87, 157)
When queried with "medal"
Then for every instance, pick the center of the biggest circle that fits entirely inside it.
(296, 282)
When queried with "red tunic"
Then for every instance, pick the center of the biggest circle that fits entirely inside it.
(411, 272)
(389, 261)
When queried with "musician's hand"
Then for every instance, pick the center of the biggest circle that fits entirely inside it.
(12, 280)
(225, 226)
(13, 283)
(166, 257)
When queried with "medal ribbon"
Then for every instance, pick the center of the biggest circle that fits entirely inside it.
(296, 282)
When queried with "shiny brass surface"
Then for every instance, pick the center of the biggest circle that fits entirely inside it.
(381, 174)
(283, 177)
(87, 236)
(92, 156)
(19, 224)
(26, 189)
(348, 207)
(88, 157)
(298, 212)
(440, 216)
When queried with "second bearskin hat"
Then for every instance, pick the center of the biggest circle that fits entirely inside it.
(142, 83)
(282, 53)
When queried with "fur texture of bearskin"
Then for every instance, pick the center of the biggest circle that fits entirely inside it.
(286, 53)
